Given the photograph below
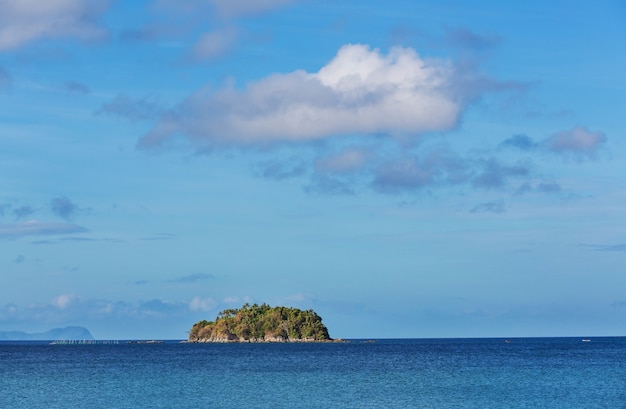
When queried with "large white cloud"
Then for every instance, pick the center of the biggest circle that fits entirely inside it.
(24, 21)
(360, 91)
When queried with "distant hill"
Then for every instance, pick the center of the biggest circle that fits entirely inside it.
(261, 323)
(56, 334)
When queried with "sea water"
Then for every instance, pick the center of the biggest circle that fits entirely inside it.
(416, 373)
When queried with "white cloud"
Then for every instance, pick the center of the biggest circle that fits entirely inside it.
(202, 304)
(237, 300)
(106, 309)
(301, 298)
(24, 21)
(64, 300)
(360, 91)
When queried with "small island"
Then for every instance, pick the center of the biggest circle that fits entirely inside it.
(261, 323)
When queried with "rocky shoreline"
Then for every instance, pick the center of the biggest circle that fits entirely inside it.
(266, 340)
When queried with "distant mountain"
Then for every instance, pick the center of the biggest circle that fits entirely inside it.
(57, 334)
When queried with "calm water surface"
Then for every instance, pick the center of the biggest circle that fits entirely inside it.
(417, 373)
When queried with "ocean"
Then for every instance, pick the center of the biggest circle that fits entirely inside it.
(383, 373)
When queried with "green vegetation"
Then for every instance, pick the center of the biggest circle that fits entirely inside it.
(261, 323)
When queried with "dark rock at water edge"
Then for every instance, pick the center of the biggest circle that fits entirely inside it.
(56, 334)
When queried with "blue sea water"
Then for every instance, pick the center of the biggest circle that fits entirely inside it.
(407, 373)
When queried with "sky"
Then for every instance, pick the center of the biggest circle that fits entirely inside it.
(404, 168)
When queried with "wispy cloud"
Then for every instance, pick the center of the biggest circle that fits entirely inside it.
(70, 307)
(236, 8)
(521, 142)
(153, 32)
(224, 9)
(578, 143)
(64, 207)
(75, 87)
(608, 247)
(23, 212)
(36, 228)
(489, 207)
(214, 44)
(237, 300)
(464, 38)
(282, 169)
(23, 22)
(408, 173)
(192, 278)
(64, 300)
(392, 168)
(133, 109)
(495, 175)
(159, 237)
(76, 240)
(329, 185)
(225, 16)
(431, 168)
(345, 161)
(618, 304)
(202, 304)
(409, 170)
(5, 79)
(548, 187)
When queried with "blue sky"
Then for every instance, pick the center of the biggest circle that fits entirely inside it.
(405, 168)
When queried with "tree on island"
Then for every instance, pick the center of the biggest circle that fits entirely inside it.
(261, 323)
